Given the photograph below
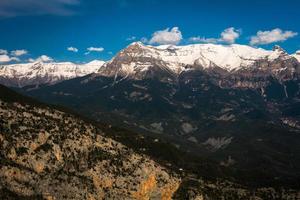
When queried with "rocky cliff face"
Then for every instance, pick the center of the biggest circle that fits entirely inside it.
(50, 154)
(283, 68)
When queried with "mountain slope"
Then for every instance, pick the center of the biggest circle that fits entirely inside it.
(255, 132)
(38, 73)
(58, 155)
(46, 153)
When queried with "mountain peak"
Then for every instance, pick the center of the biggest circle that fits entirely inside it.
(135, 46)
(137, 43)
(279, 49)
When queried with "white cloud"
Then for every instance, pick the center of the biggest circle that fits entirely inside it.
(5, 58)
(45, 58)
(166, 36)
(229, 36)
(97, 49)
(3, 51)
(20, 52)
(42, 58)
(73, 49)
(275, 35)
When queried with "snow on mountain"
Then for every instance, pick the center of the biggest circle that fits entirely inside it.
(45, 73)
(95, 63)
(229, 57)
(297, 55)
(138, 57)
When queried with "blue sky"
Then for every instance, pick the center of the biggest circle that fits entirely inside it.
(50, 27)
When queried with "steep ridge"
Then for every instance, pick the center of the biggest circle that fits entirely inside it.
(49, 154)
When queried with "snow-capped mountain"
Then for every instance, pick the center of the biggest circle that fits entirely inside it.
(138, 60)
(19, 75)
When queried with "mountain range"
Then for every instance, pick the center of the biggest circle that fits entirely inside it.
(236, 107)
(39, 73)
(139, 61)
